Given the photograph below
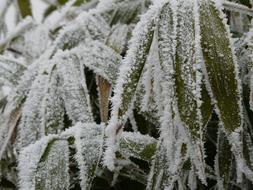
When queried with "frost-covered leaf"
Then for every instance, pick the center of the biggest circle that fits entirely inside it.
(136, 145)
(133, 64)
(129, 76)
(89, 140)
(52, 170)
(126, 12)
(223, 79)
(187, 70)
(158, 176)
(220, 65)
(28, 128)
(8, 127)
(74, 89)
(29, 159)
(223, 161)
(10, 70)
(118, 37)
(36, 41)
(247, 148)
(99, 58)
(87, 26)
(147, 101)
(43, 109)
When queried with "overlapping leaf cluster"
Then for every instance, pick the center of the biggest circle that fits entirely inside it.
(172, 74)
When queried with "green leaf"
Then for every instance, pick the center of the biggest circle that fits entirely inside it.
(52, 171)
(25, 8)
(186, 71)
(206, 106)
(223, 161)
(220, 65)
(74, 89)
(99, 58)
(135, 59)
(28, 162)
(88, 26)
(89, 139)
(138, 146)
(147, 101)
(43, 109)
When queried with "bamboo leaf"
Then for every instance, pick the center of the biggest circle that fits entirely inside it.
(10, 70)
(118, 38)
(187, 74)
(25, 8)
(52, 170)
(99, 58)
(126, 13)
(147, 101)
(223, 161)
(43, 109)
(135, 59)
(223, 79)
(128, 79)
(87, 26)
(138, 146)
(220, 65)
(29, 159)
(75, 93)
(89, 143)
(158, 177)
(8, 128)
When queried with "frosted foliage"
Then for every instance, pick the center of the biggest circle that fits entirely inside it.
(36, 41)
(147, 96)
(10, 70)
(158, 176)
(43, 111)
(129, 76)
(219, 50)
(136, 145)
(75, 93)
(180, 75)
(17, 31)
(166, 68)
(28, 161)
(98, 57)
(118, 37)
(53, 106)
(249, 51)
(188, 76)
(31, 118)
(167, 47)
(88, 141)
(28, 77)
(87, 26)
(52, 170)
